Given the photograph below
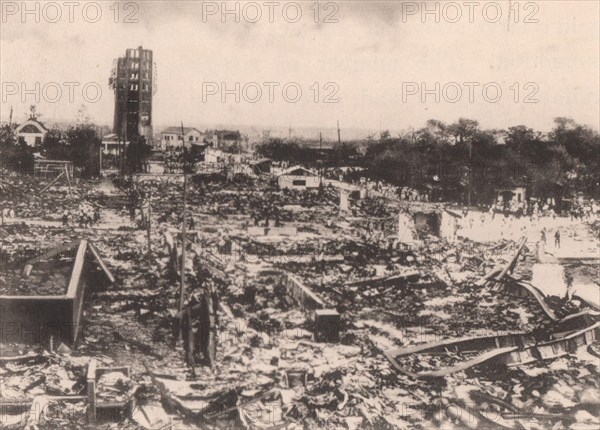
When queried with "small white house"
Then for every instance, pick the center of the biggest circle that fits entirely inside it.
(32, 132)
(111, 144)
(298, 178)
(514, 196)
(171, 137)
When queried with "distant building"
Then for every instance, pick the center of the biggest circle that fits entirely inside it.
(224, 138)
(133, 82)
(298, 178)
(32, 132)
(111, 144)
(511, 196)
(262, 165)
(171, 137)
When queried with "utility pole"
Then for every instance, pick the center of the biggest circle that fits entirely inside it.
(148, 215)
(320, 163)
(2, 166)
(321, 147)
(469, 173)
(122, 145)
(101, 148)
(119, 152)
(183, 233)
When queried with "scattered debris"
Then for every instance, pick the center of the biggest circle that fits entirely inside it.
(331, 320)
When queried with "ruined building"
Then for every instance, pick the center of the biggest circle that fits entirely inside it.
(133, 79)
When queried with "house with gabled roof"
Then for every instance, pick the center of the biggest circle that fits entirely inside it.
(171, 137)
(32, 132)
(298, 178)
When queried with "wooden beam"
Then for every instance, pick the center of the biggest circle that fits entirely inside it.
(302, 294)
(91, 391)
(53, 252)
(511, 264)
(535, 292)
(408, 276)
(101, 262)
(77, 269)
(393, 361)
(169, 400)
(53, 181)
(482, 358)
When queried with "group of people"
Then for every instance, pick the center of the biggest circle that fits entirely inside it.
(266, 213)
(556, 237)
(412, 195)
(85, 216)
(584, 210)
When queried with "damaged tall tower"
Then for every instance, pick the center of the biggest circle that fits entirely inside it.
(134, 83)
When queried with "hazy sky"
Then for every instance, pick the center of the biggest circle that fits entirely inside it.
(379, 57)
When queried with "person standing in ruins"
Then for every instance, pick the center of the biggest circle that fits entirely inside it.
(96, 215)
(277, 217)
(184, 322)
(543, 235)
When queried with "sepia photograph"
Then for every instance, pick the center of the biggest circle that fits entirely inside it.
(297, 215)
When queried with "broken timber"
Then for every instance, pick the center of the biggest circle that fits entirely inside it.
(497, 275)
(272, 231)
(499, 279)
(522, 288)
(52, 182)
(510, 350)
(116, 411)
(55, 251)
(169, 400)
(402, 277)
(301, 294)
(326, 321)
(512, 263)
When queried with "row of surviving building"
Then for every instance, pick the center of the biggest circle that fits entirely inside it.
(172, 139)
(33, 132)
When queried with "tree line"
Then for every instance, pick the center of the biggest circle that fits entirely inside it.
(463, 162)
(80, 144)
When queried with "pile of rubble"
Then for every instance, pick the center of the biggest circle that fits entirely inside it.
(397, 314)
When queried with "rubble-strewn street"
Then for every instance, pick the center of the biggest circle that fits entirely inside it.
(270, 365)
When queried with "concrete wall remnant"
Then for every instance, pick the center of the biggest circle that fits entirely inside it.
(34, 319)
(406, 229)
(327, 325)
